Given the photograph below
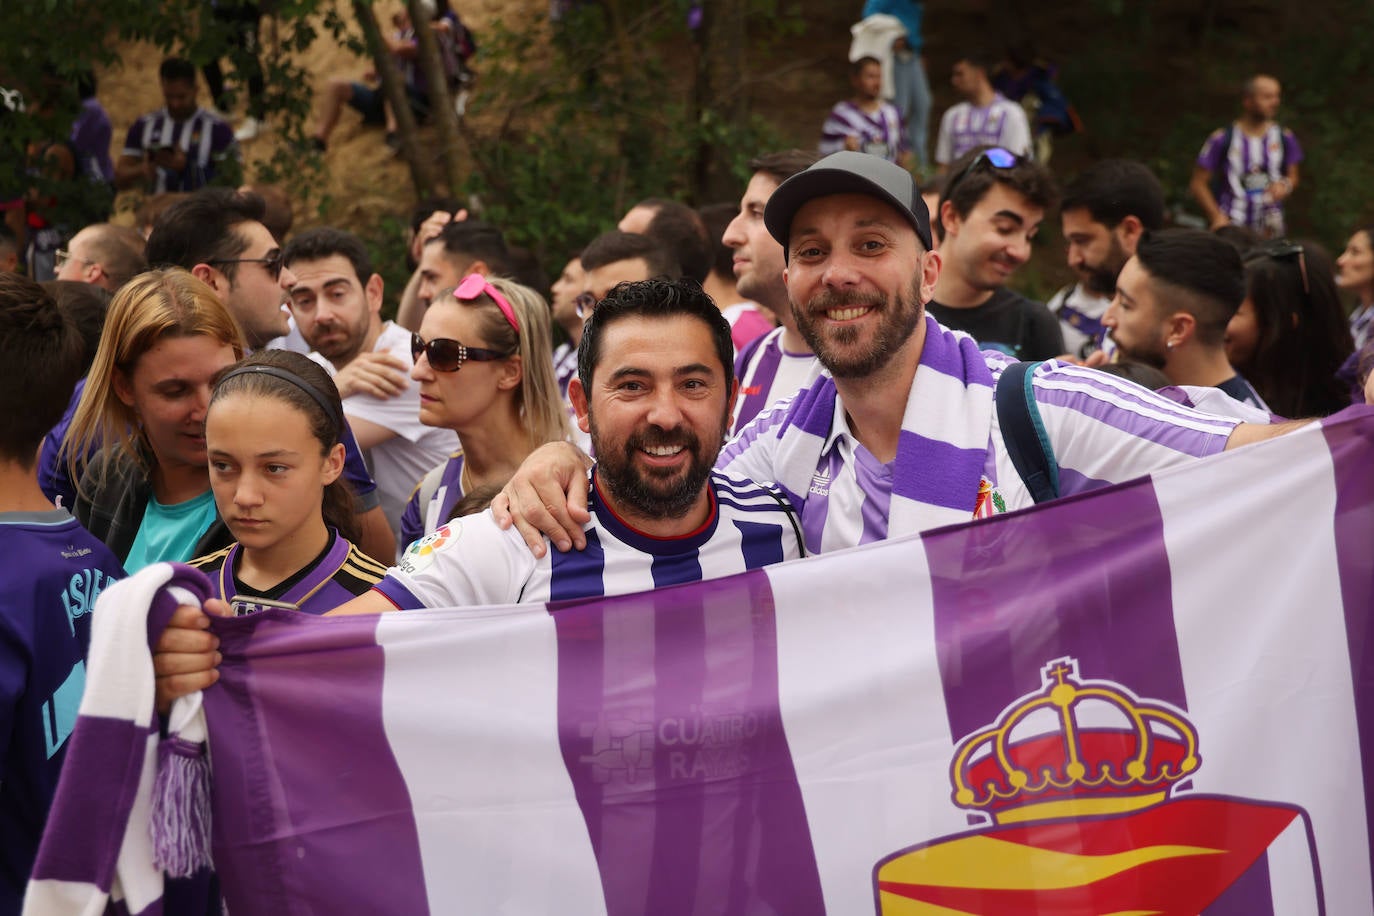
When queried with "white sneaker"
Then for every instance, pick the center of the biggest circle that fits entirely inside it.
(249, 129)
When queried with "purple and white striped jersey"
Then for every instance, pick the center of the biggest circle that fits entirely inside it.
(1247, 166)
(879, 133)
(1002, 123)
(339, 574)
(470, 561)
(438, 498)
(204, 138)
(51, 571)
(1103, 430)
(767, 373)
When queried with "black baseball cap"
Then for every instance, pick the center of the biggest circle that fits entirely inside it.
(848, 172)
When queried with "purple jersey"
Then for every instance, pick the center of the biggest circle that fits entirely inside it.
(1243, 168)
(205, 139)
(51, 571)
(337, 576)
(90, 138)
(438, 496)
(879, 133)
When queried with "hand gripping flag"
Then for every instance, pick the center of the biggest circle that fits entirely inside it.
(1156, 698)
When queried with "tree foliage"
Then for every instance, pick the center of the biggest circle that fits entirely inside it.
(592, 113)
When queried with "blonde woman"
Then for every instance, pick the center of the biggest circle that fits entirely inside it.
(482, 358)
(146, 492)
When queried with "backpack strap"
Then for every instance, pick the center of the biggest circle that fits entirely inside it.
(1023, 431)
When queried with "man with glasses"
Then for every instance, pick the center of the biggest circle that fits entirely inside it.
(989, 212)
(1173, 301)
(103, 255)
(217, 234)
(337, 303)
(901, 436)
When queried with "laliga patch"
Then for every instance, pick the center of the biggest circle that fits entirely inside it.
(420, 555)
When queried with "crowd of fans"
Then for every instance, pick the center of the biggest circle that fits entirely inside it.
(209, 388)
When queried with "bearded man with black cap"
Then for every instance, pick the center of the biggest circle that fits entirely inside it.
(901, 435)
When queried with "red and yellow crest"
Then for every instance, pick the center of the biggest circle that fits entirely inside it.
(1076, 785)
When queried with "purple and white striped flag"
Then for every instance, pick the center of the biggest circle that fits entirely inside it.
(1154, 698)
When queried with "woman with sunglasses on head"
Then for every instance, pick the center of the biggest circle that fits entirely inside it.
(1289, 336)
(146, 493)
(482, 358)
(273, 432)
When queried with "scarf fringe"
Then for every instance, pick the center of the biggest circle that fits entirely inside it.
(180, 821)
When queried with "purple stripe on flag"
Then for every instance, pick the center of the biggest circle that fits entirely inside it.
(672, 737)
(306, 693)
(1012, 593)
(96, 792)
(1350, 436)
(1250, 895)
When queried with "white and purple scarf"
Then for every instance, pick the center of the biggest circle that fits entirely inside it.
(943, 448)
(114, 783)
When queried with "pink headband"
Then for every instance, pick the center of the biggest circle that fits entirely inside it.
(474, 285)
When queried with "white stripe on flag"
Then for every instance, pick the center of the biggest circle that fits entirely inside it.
(1222, 579)
(867, 660)
(471, 713)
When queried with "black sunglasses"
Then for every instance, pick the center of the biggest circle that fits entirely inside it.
(273, 263)
(447, 355)
(1282, 248)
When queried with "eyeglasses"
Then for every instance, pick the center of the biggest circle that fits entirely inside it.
(447, 355)
(584, 303)
(62, 256)
(474, 285)
(1282, 248)
(995, 156)
(272, 263)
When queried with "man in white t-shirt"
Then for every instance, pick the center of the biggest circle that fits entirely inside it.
(337, 301)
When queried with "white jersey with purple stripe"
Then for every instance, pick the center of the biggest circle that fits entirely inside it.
(879, 134)
(471, 561)
(1002, 123)
(767, 374)
(1248, 166)
(1103, 430)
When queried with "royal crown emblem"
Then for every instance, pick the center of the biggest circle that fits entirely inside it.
(1076, 747)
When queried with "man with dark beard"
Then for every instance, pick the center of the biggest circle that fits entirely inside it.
(901, 436)
(1173, 301)
(654, 389)
(1103, 214)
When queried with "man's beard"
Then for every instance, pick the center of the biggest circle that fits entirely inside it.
(666, 495)
(1155, 354)
(898, 318)
(1101, 280)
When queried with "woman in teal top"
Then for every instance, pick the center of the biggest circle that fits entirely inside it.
(147, 494)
